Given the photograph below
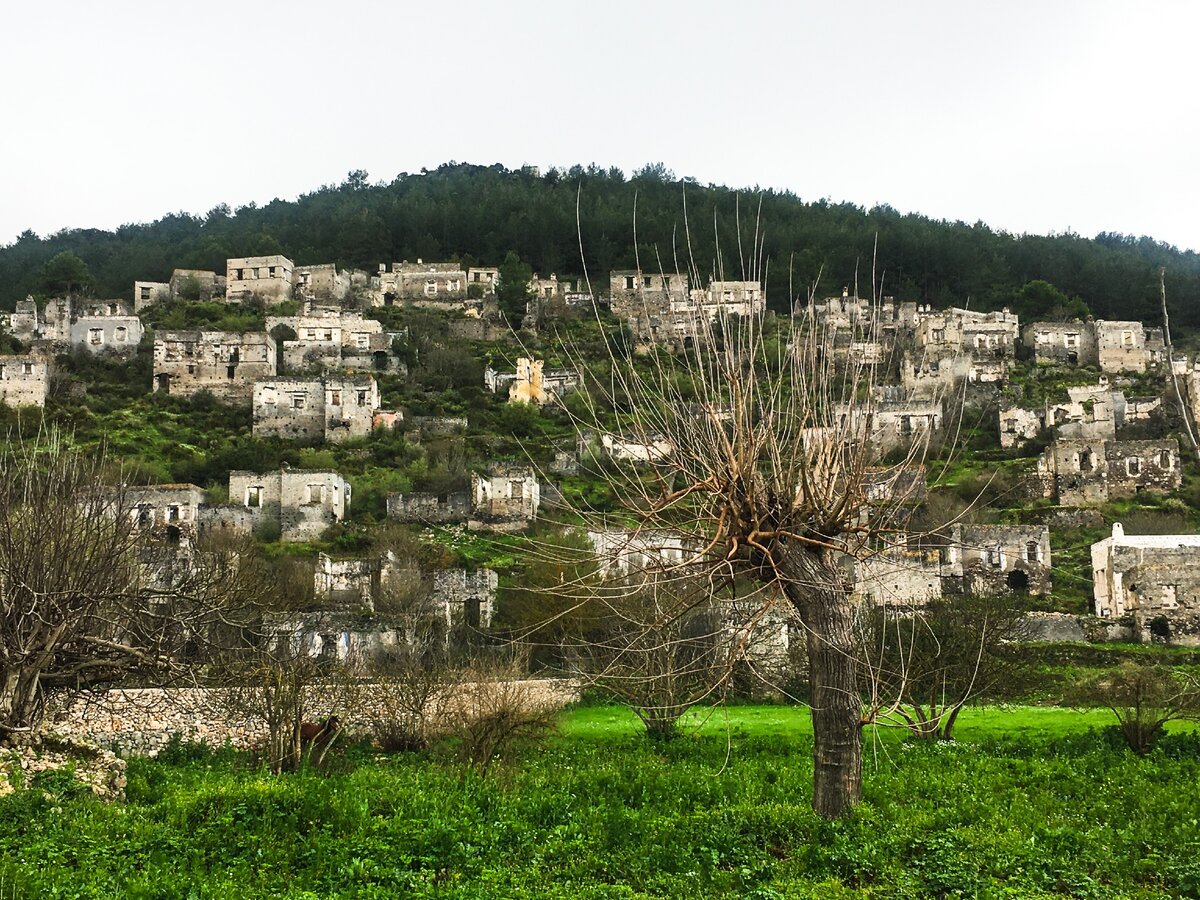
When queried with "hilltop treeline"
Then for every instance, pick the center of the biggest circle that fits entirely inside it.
(479, 213)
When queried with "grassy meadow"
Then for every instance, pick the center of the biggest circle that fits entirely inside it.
(1028, 802)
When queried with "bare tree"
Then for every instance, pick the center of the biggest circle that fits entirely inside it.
(923, 665)
(773, 446)
(1144, 699)
(87, 597)
(660, 650)
(494, 709)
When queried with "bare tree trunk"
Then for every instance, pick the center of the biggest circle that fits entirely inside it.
(827, 615)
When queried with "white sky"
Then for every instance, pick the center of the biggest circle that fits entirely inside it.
(1031, 116)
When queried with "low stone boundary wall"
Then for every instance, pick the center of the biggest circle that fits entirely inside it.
(140, 721)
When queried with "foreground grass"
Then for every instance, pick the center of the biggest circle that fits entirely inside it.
(1029, 803)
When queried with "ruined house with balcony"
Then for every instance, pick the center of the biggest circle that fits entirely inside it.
(24, 381)
(301, 503)
(268, 279)
(1155, 578)
(223, 363)
(312, 410)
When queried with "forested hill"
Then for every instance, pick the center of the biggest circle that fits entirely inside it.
(479, 213)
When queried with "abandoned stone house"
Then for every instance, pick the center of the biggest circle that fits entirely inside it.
(224, 363)
(897, 576)
(185, 284)
(549, 288)
(328, 338)
(107, 334)
(532, 383)
(894, 423)
(739, 298)
(637, 554)
(938, 372)
(387, 584)
(420, 283)
(505, 498)
(1128, 346)
(964, 330)
(302, 502)
(1153, 577)
(884, 318)
(270, 279)
(1090, 412)
(315, 409)
(1073, 343)
(989, 559)
(657, 307)
(169, 510)
(1091, 472)
(24, 381)
(95, 325)
(430, 508)
(485, 277)
(321, 282)
(644, 448)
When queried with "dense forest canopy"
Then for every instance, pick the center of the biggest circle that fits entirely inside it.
(480, 213)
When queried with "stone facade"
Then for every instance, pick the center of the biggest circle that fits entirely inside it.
(1091, 472)
(1073, 343)
(1019, 425)
(333, 339)
(935, 372)
(895, 423)
(315, 409)
(422, 283)
(1153, 578)
(223, 363)
(633, 448)
(303, 502)
(107, 334)
(485, 277)
(963, 330)
(266, 278)
(321, 282)
(623, 554)
(1121, 346)
(988, 559)
(24, 381)
(429, 509)
(898, 577)
(504, 498)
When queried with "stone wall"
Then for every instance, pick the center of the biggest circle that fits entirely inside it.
(433, 509)
(140, 721)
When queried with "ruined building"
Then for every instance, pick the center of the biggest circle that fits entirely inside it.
(185, 284)
(315, 409)
(302, 503)
(531, 383)
(421, 283)
(223, 363)
(1153, 577)
(504, 498)
(269, 279)
(24, 381)
(1091, 472)
(989, 559)
(332, 338)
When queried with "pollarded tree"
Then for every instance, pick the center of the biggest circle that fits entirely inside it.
(758, 454)
(84, 600)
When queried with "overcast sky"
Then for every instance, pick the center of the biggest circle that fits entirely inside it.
(1030, 116)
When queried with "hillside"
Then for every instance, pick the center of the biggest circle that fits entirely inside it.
(475, 213)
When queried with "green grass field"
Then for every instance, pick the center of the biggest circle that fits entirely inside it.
(1029, 802)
